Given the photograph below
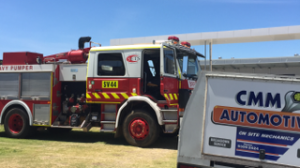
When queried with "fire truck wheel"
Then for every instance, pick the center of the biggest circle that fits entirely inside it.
(140, 129)
(16, 124)
(59, 130)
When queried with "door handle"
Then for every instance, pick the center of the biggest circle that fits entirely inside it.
(98, 90)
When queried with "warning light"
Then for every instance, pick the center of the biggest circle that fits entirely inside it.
(173, 38)
(297, 96)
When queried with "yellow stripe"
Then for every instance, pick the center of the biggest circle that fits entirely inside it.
(105, 95)
(175, 96)
(115, 95)
(124, 95)
(133, 94)
(179, 73)
(96, 95)
(171, 97)
(87, 72)
(166, 96)
(88, 96)
(173, 104)
(179, 84)
(124, 47)
(103, 102)
(179, 78)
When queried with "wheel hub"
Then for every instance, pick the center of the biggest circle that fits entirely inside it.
(139, 129)
(15, 123)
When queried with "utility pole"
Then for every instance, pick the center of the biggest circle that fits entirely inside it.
(205, 53)
(210, 61)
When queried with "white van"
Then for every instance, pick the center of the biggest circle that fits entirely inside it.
(241, 120)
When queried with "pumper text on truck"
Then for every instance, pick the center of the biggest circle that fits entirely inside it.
(138, 91)
(241, 120)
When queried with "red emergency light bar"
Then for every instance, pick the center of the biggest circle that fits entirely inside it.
(173, 38)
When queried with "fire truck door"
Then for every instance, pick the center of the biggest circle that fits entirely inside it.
(169, 77)
(109, 84)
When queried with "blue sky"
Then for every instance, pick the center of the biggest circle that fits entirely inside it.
(55, 26)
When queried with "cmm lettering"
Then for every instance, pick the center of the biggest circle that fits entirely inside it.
(251, 99)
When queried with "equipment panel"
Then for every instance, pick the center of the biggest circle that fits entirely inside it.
(73, 72)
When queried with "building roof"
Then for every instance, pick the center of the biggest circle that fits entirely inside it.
(223, 37)
(254, 62)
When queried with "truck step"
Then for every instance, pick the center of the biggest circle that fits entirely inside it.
(109, 116)
(169, 114)
(170, 128)
(107, 122)
(170, 121)
(107, 130)
(107, 127)
(169, 110)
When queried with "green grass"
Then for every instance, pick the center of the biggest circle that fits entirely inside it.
(79, 149)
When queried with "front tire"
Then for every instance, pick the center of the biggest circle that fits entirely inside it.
(16, 124)
(140, 129)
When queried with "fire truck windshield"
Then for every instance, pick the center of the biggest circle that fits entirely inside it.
(188, 65)
(188, 60)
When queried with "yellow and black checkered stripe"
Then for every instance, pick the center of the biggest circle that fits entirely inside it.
(171, 96)
(108, 96)
(113, 97)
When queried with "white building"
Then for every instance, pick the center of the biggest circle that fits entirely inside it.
(279, 65)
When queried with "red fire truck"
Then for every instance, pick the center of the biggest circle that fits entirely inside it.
(138, 91)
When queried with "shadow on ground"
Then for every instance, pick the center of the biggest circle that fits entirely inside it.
(94, 137)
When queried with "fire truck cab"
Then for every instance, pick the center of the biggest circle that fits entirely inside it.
(138, 91)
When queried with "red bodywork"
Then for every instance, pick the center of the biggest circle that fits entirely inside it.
(20, 58)
(74, 56)
(188, 84)
(125, 87)
(56, 97)
(169, 89)
(29, 103)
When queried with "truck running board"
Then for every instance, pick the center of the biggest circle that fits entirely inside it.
(108, 126)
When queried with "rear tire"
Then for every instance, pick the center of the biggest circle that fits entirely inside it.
(16, 124)
(140, 129)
